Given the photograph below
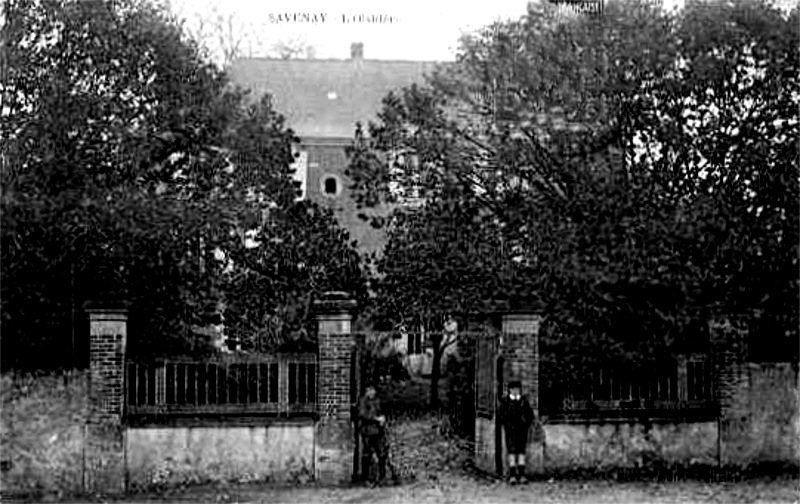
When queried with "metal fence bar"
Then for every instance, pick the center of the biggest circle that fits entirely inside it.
(139, 379)
(142, 385)
(206, 383)
(263, 378)
(222, 384)
(175, 384)
(182, 373)
(300, 383)
(161, 384)
(658, 386)
(283, 386)
(244, 389)
(196, 396)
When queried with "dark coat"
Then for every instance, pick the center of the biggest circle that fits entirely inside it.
(368, 412)
(516, 416)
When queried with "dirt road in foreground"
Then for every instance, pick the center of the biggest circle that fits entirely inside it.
(458, 489)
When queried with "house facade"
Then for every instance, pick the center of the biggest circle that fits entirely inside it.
(322, 101)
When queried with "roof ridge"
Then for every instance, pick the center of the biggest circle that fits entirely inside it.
(325, 98)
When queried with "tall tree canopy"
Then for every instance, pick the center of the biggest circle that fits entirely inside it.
(132, 169)
(636, 170)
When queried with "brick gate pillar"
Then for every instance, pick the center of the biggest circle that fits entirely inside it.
(519, 348)
(104, 449)
(731, 380)
(333, 450)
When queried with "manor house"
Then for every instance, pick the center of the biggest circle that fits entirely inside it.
(322, 101)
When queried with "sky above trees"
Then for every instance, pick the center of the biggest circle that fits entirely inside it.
(427, 29)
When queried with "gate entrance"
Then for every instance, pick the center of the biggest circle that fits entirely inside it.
(357, 389)
(499, 462)
(488, 391)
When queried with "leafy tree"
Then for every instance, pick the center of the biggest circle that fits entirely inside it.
(92, 99)
(131, 169)
(638, 168)
(293, 47)
(434, 267)
(224, 35)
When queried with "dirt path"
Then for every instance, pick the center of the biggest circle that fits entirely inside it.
(457, 489)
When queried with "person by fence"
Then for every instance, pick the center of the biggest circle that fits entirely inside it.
(372, 427)
(516, 416)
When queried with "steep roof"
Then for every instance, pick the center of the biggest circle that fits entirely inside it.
(325, 98)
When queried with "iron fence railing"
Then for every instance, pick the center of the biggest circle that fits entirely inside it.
(275, 385)
(684, 383)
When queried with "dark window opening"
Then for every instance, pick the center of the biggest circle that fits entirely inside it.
(330, 185)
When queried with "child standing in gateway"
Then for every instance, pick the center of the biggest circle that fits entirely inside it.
(516, 417)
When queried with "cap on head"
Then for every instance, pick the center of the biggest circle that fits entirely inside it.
(514, 384)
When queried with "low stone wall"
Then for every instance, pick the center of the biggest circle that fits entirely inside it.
(606, 445)
(42, 424)
(761, 424)
(765, 419)
(602, 444)
(282, 452)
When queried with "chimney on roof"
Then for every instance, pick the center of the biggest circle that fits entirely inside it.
(357, 50)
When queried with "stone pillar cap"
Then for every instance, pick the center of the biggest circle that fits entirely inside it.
(97, 306)
(521, 312)
(334, 302)
(532, 306)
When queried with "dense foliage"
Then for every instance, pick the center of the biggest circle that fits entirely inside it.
(133, 171)
(632, 175)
